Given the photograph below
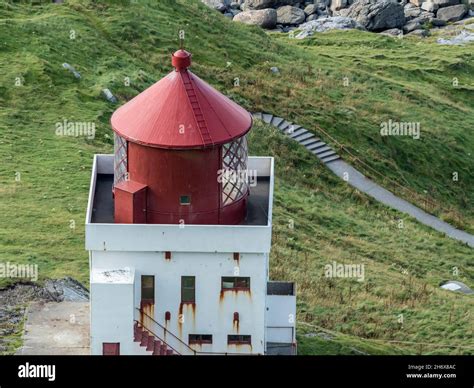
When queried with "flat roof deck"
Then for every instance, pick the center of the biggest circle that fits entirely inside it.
(103, 204)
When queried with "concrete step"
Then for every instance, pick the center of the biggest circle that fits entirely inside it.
(292, 129)
(151, 343)
(329, 159)
(144, 341)
(315, 146)
(267, 118)
(285, 125)
(257, 115)
(324, 154)
(276, 121)
(304, 136)
(296, 132)
(311, 141)
(321, 150)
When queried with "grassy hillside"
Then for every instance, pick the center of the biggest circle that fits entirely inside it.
(44, 178)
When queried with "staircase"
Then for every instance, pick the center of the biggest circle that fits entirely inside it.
(149, 342)
(307, 139)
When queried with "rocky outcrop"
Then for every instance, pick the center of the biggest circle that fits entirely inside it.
(326, 24)
(259, 4)
(387, 16)
(452, 13)
(377, 15)
(289, 15)
(265, 18)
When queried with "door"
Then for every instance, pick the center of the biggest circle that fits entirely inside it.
(111, 348)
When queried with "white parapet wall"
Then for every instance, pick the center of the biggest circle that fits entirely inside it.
(112, 308)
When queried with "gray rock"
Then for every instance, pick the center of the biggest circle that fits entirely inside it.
(445, 3)
(266, 18)
(290, 15)
(412, 25)
(377, 15)
(411, 11)
(312, 17)
(219, 5)
(336, 5)
(429, 6)
(392, 32)
(420, 33)
(326, 24)
(311, 9)
(259, 4)
(275, 70)
(452, 13)
(438, 22)
(417, 2)
(462, 38)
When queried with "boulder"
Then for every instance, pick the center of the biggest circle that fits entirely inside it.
(259, 4)
(336, 5)
(429, 6)
(437, 22)
(411, 11)
(312, 17)
(266, 18)
(219, 5)
(417, 2)
(412, 25)
(377, 15)
(445, 3)
(419, 33)
(326, 24)
(289, 15)
(311, 9)
(452, 13)
(392, 32)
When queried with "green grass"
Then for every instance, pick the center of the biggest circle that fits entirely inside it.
(42, 213)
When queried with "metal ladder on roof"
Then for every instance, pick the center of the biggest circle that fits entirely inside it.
(201, 122)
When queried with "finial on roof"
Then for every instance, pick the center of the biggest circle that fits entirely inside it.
(181, 60)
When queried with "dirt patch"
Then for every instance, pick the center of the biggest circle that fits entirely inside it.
(15, 299)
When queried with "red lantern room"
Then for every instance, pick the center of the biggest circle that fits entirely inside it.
(181, 153)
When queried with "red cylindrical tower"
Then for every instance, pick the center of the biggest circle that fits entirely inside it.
(181, 153)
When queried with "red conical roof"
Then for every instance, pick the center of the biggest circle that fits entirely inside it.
(181, 111)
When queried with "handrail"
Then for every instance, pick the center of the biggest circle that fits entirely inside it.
(155, 335)
(195, 352)
(427, 200)
(165, 331)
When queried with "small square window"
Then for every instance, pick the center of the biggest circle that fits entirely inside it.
(185, 200)
(238, 339)
(199, 339)
(235, 283)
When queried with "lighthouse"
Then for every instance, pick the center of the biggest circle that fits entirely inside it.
(178, 230)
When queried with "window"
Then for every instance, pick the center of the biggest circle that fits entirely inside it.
(185, 200)
(120, 159)
(237, 339)
(235, 283)
(148, 288)
(200, 339)
(111, 349)
(188, 289)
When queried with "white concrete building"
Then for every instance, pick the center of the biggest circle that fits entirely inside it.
(180, 279)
